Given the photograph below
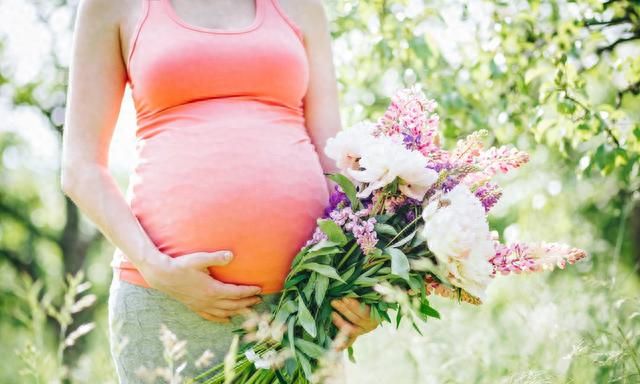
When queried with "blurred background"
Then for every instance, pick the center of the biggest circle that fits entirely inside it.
(559, 79)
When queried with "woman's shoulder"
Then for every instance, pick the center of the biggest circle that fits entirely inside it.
(119, 15)
(105, 11)
(309, 15)
(116, 16)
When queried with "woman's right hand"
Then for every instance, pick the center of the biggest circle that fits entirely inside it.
(187, 279)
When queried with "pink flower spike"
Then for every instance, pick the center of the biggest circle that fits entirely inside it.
(536, 257)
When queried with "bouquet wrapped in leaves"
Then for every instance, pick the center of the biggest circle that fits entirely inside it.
(408, 219)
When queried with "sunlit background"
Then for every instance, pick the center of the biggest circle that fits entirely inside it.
(559, 79)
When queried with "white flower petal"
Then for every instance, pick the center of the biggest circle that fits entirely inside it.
(458, 235)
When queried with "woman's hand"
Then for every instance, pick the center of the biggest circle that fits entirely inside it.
(353, 318)
(186, 279)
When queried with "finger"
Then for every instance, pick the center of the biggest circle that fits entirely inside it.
(350, 341)
(210, 317)
(238, 303)
(347, 311)
(203, 260)
(342, 324)
(350, 332)
(218, 312)
(341, 345)
(358, 308)
(364, 311)
(232, 291)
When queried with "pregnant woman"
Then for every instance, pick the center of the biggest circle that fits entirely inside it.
(234, 99)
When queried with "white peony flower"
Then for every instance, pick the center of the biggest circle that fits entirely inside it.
(457, 232)
(384, 159)
(347, 146)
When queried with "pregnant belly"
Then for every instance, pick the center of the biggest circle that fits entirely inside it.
(250, 185)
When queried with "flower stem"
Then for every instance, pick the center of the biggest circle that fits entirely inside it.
(402, 230)
(346, 255)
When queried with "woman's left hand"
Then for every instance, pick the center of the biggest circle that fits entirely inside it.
(353, 318)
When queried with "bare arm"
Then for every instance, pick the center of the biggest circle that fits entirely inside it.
(321, 104)
(323, 121)
(96, 86)
(97, 79)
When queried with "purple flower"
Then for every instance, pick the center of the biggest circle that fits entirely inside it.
(335, 200)
(488, 194)
(449, 183)
(410, 215)
(318, 236)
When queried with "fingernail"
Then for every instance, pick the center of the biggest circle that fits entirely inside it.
(228, 255)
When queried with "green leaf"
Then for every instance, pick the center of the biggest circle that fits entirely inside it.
(322, 283)
(416, 283)
(428, 310)
(415, 326)
(324, 243)
(364, 281)
(290, 334)
(323, 251)
(385, 229)
(305, 319)
(306, 366)
(291, 282)
(417, 240)
(310, 349)
(404, 240)
(352, 358)
(291, 365)
(308, 289)
(382, 218)
(384, 315)
(399, 263)
(398, 318)
(333, 231)
(323, 270)
(281, 378)
(285, 310)
(347, 187)
(348, 273)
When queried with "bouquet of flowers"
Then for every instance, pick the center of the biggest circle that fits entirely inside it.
(408, 219)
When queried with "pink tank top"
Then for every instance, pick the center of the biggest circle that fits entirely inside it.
(224, 160)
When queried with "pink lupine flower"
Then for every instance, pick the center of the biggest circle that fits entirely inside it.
(470, 148)
(542, 256)
(489, 194)
(368, 242)
(410, 116)
(502, 160)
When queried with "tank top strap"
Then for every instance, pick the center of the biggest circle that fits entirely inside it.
(275, 10)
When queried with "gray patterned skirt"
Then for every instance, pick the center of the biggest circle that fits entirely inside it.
(139, 348)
